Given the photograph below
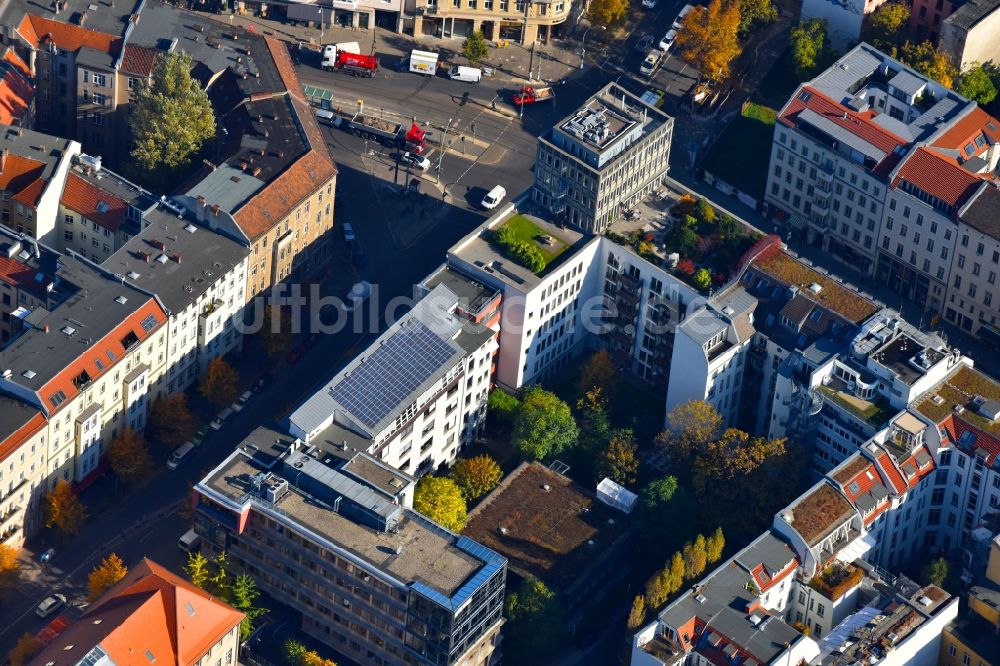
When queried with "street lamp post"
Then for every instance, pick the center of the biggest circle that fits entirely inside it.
(441, 150)
(583, 44)
(321, 22)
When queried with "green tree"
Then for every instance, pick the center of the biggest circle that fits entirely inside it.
(129, 457)
(245, 594)
(735, 454)
(197, 569)
(606, 12)
(637, 615)
(715, 543)
(170, 116)
(25, 650)
(657, 494)
(104, 576)
(535, 622)
(886, 27)
(620, 460)
(544, 425)
(935, 572)
(440, 499)
(597, 372)
(502, 406)
(170, 420)
(293, 650)
(977, 84)
(476, 476)
(811, 51)
(218, 583)
(219, 385)
(756, 13)
(64, 510)
(475, 48)
(705, 212)
(929, 61)
(709, 39)
(702, 279)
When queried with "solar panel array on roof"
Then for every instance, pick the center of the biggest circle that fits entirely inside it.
(393, 371)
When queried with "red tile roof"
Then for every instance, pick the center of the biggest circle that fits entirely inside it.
(39, 30)
(16, 90)
(21, 276)
(153, 610)
(11, 58)
(938, 175)
(765, 579)
(270, 205)
(94, 203)
(956, 426)
(98, 351)
(889, 470)
(139, 60)
(865, 479)
(912, 469)
(967, 128)
(859, 124)
(21, 174)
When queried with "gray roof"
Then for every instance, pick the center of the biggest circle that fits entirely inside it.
(472, 294)
(109, 181)
(845, 136)
(702, 325)
(908, 82)
(14, 415)
(983, 210)
(227, 187)
(43, 148)
(403, 363)
(972, 12)
(95, 305)
(202, 257)
(95, 58)
(107, 17)
(722, 598)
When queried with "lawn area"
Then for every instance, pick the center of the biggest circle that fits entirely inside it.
(526, 230)
(741, 155)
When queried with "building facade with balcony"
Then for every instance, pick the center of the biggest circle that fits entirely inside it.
(416, 396)
(330, 533)
(602, 160)
(200, 277)
(521, 21)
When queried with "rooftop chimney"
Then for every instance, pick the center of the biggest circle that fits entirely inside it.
(3, 159)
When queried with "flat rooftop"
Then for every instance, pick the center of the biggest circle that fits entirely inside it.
(417, 550)
(472, 294)
(14, 415)
(958, 390)
(193, 259)
(480, 251)
(547, 533)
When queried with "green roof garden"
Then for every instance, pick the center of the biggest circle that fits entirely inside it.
(528, 244)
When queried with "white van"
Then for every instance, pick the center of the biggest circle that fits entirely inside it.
(494, 197)
(325, 117)
(178, 456)
(221, 418)
(467, 74)
(190, 542)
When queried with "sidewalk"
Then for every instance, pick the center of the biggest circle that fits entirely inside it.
(551, 62)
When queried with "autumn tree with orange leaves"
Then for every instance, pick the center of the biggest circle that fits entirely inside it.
(709, 40)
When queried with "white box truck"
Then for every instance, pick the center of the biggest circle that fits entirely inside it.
(423, 62)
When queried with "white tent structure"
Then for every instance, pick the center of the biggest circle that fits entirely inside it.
(616, 496)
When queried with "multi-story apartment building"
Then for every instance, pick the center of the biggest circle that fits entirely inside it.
(603, 159)
(595, 293)
(200, 278)
(522, 21)
(968, 33)
(152, 615)
(329, 532)
(973, 296)
(416, 396)
(972, 638)
(927, 16)
(91, 358)
(22, 470)
(840, 137)
(823, 567)
(33, 171)
(844, 20)
(710, 351)
(99, 211)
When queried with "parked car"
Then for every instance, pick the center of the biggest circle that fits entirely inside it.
(413, 159)
(649, 4)
(348, 231)
(668, 40)
(199, 436)
(221, 418)
(494, 197)
(644, 44)
(189, 542)
(183, 452)
(679, 21)
(357, 296)
(50, 605)
(241, 402)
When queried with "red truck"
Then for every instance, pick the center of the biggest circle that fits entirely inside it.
(532, 94)
(356, 64)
